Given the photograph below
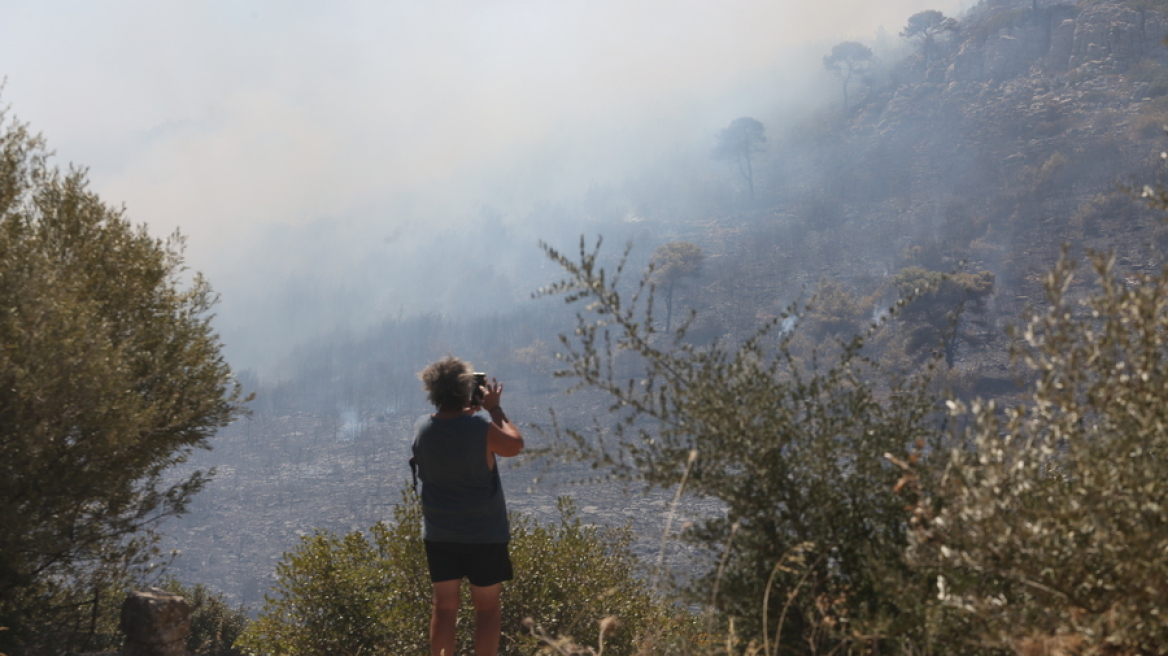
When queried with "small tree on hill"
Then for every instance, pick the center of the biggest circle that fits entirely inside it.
(941, 308)
(926, 26)
(111, 375)
(672, 263)
(837, 311)
(848, 60)
(738, 143)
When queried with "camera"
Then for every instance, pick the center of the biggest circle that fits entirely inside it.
(476, 395)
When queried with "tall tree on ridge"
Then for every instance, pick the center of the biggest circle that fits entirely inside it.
(847, 60)
(926, 26)
(738, 142)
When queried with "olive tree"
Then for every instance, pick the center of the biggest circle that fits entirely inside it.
(1053, 523)
(795, 453)
(111, 376)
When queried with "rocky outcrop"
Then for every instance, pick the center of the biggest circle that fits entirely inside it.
(155, 623)
(1001, 53)
(1004, 54)
(1105, 38)
(968, 64)
(1108, 38)
(1062, 44)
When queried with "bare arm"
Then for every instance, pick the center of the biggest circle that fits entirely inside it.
(503, 438)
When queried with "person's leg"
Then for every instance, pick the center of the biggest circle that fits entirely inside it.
(442, 621)
(488, 618)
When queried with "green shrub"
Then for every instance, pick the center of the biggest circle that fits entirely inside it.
(356, 594)
(370, 593)
(570, 576)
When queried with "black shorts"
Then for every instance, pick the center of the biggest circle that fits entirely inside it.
(481, 564)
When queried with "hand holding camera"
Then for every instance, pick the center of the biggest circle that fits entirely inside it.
(480, 383)
(486, 395)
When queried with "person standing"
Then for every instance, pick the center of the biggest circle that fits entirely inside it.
(465, 527)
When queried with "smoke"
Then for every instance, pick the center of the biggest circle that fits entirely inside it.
(351, 425)
(335, 163)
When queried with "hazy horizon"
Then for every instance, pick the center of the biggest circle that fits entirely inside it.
(314, 155)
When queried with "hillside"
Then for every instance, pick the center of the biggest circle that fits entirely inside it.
(1017, 139)
(1011, 138)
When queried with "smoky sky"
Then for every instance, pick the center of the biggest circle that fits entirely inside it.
(291, 140)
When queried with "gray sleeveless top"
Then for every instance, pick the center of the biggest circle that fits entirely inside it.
(462, 498)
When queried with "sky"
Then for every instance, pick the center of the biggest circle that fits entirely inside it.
(285, 138)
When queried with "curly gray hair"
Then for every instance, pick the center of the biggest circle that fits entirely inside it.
(449, 383)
